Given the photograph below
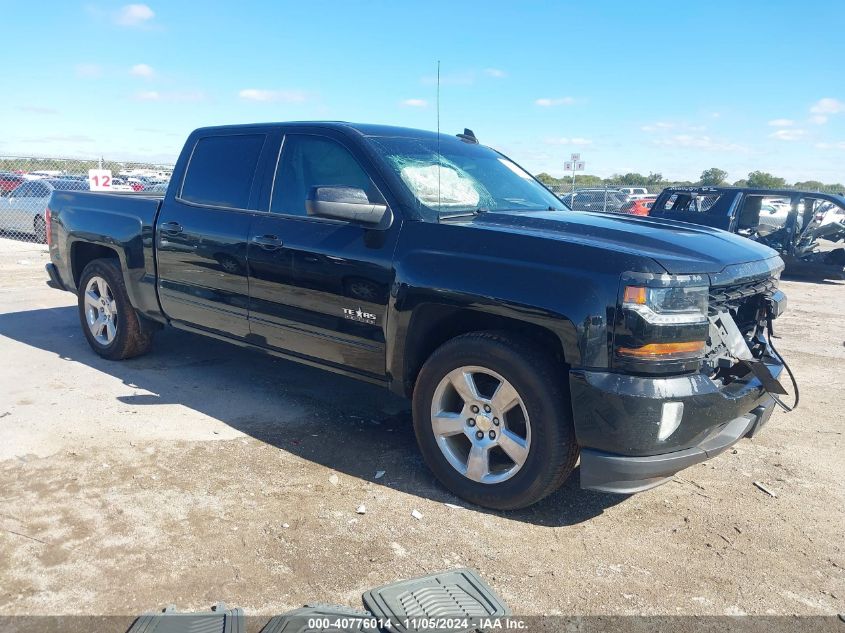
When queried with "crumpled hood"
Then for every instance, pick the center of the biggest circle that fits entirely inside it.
(678, 247)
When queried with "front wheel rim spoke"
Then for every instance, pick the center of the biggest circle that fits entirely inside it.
(110, 330)
(514, 446)
(478, 464)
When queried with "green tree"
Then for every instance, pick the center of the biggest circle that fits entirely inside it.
(631, 178)
(713, 177)
(741, 183)
(765, 180)
(810, 185)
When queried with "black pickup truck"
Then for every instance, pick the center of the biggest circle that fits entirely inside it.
(525, 333)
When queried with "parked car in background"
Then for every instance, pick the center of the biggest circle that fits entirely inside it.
(637, 206)
(598, 199)
(121, 184)
(23, 210)
(635, 193)
(9, 182)
(136, 183)
(794, 223)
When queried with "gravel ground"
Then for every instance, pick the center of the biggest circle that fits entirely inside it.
(205, 472)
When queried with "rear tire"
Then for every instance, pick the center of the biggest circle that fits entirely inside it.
(503, 438)
(112, 326)
(39, 227)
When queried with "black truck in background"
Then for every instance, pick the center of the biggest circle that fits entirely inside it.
(806, 228)
(525, 333)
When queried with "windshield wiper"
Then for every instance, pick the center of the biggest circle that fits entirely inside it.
(464, 214)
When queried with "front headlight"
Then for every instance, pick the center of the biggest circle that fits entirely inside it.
(667, 306)
(663, 325)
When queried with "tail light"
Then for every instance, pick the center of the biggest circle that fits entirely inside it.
(48, 224)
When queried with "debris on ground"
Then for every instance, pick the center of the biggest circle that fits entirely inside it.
(333, 479)
(417, 514)
(362, 509)
(379, 474)
(771, 493)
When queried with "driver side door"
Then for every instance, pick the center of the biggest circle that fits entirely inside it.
(319, 287)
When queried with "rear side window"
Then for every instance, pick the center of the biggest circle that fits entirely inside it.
(221, 170)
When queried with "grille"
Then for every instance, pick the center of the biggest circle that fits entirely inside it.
(735, 295)
(743, 300)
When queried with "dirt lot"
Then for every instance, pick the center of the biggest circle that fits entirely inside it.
(205, 472)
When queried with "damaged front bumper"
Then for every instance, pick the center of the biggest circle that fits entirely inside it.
(621, 423)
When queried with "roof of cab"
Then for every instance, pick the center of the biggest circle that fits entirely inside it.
(365, 129)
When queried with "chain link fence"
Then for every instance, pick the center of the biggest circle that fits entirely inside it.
(635, 199)
(26, 184)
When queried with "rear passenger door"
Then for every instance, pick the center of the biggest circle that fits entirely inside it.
(319, 288)
(202, 233)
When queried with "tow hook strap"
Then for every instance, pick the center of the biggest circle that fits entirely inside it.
(771, 333)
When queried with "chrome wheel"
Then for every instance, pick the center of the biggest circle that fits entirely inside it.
(100, 311)
(480, 424)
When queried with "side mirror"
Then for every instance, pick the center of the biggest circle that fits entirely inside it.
(343, 203)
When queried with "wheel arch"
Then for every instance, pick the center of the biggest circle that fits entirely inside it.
(431, 325)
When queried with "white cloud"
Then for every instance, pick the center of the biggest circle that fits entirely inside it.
(415, 103)
(659, 125)
(547, 103)
(142, 70)
(59, 138)
(564, 140)
(781, 122)
(495, 73)
(134, 15)
(823, 108)
(787, 135)
(281, 96)
(702, 142)
(89, 71)
(837, 145)
(187, 96)
(148, 95)
(828, 106)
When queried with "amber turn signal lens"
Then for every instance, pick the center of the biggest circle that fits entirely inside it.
(663, 350)
(635, 294)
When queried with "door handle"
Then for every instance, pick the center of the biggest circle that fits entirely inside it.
(268, 242)
(171, 227)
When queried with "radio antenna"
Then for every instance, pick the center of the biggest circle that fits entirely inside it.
(438, 139)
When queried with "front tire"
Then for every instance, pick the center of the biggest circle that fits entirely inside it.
(112, 326)
(493, 420)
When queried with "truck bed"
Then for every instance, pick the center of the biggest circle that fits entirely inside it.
(118, 224)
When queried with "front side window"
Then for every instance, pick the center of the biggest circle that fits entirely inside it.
(450, 177)
(221, 170)
(314, 161)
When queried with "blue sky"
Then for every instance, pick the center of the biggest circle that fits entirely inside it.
(672, 87)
